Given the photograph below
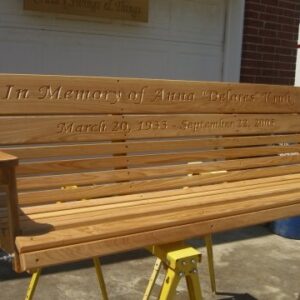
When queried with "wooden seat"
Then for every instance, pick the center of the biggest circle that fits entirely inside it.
(108, 165)
(64, 215)
(74, 223)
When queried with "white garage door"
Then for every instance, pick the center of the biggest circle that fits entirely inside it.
(184, 39)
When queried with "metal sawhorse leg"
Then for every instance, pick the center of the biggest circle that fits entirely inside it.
(36, 275)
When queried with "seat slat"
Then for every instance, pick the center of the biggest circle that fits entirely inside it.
(75, 165)
(37, 152)
(51, 256)
(106, 213)
(184, 192)
(88, 178)
(149, 221)
(196, 210)
(121, 188)
(51, 129)
(152, 197)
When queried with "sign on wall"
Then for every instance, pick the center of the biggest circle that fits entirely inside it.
(132, 10)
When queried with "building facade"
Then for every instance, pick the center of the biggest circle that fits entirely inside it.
(194, 39)
(183, 39)
(270, 41)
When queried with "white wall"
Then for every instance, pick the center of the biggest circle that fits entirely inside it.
(184, 39)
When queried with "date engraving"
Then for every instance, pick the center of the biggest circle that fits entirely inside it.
(71, 127)
(243, 123)
(152, 125)
(256, 123)
(199, 125)
(227, 124)
(122, 126)
(264, 123)
(132, 126)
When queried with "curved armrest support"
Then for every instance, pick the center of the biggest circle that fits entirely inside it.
(8, 165)
(7, 160)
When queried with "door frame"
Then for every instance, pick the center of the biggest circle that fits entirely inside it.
(233, 41)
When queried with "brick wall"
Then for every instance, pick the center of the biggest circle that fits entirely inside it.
(270, 41)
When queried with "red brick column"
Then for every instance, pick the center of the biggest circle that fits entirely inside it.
(270, 41)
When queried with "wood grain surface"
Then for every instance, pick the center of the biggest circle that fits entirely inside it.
(41, 94)
(104, 148)
(113, 164)
(50, 129)
(76, 252)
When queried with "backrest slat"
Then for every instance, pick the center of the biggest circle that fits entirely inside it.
(121, 188)
(51, 129)
(66, 150)
(151, 159)
(101, 177)
(40, 95)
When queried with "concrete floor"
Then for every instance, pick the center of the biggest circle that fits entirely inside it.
(250, 264)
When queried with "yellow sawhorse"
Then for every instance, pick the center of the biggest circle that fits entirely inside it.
(180, 261)
(36, 275)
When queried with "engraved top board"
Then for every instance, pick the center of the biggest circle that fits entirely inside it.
(37, 94)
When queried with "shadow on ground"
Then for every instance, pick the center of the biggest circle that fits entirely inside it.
(234, 296)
